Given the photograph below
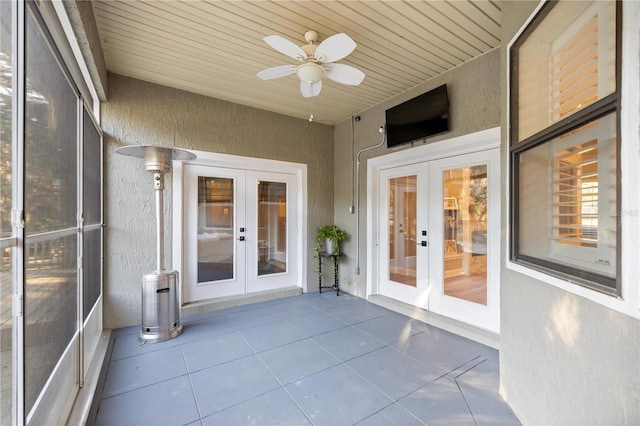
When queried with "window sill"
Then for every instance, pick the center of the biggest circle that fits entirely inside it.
(618, 304)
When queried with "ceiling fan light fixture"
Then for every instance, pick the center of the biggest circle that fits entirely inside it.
(310, 72)
(316, 61)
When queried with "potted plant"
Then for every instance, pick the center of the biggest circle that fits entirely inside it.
(329, 237)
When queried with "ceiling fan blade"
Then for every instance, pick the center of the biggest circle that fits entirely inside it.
(335, 48)
(345, 74)
(285, 47)
(276, 72)
(310, 90)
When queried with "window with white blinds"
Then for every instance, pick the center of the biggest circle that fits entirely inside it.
(574, 68)
(575, 205)
(565, 144)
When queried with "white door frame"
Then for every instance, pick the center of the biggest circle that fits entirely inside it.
(206, 158)
(466, 144)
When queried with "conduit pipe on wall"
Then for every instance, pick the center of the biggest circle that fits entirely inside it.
(384, 138)
(353, 151)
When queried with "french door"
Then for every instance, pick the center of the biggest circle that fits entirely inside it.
(439, 236)
(403, 207)
(239, 232)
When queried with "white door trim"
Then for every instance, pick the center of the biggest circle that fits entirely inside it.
(466, 144)
(243, 163)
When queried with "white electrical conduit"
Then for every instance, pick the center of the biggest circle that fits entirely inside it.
(353, 151)
(384, 138)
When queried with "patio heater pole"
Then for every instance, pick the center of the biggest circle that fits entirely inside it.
(160, 310)
(158, 185)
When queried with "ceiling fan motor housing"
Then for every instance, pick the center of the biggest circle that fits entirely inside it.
(310, 72)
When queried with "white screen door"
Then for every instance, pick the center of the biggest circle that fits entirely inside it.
(239, 232)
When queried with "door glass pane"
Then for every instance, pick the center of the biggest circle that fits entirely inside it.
(215, 228)
(272, 227)
(465, 233)
(402, 229)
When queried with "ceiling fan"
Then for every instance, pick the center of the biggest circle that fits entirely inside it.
(316, 61)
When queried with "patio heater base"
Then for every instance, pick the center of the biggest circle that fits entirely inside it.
(160, 312)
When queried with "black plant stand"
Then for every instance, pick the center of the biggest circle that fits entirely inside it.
(336, 276)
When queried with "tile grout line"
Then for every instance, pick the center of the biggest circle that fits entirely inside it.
(276, 379)
(393, 400)
(466, 402)
(193, 393)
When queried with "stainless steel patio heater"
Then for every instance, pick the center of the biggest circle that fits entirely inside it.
(160, 310)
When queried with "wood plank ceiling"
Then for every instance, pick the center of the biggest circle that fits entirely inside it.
(215, 48)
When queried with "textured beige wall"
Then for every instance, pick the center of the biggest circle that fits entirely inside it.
(563, 359)
(474, 98)
(139, 112)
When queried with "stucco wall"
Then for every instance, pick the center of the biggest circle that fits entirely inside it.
(139, 112)
(474, 99)
(563, 359)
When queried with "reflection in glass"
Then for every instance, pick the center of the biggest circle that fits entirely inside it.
(402, 229)
(272, 227)
(215, 228)
(465, 233)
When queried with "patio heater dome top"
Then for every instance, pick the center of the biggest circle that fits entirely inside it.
(157, 159)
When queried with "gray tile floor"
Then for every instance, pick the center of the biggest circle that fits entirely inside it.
(316, 359)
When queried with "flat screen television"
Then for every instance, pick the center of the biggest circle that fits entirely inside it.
(418, 118)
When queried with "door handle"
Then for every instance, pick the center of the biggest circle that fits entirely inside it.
(423, 243)
(241, 238)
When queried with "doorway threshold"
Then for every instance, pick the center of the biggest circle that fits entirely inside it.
(479, 335)
(239, 300)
